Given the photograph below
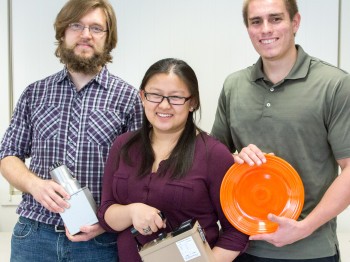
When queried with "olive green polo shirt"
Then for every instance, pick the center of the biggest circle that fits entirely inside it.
(302, 119)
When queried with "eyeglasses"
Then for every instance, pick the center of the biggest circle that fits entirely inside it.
(173, 100)
(94, 29)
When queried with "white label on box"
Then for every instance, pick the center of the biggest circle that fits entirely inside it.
(188, 248)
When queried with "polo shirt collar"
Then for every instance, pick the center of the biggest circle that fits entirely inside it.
(299, 70)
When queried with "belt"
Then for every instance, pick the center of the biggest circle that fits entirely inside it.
(60, 229)
(37, 224)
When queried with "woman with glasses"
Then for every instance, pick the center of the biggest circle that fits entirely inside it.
(168, 166)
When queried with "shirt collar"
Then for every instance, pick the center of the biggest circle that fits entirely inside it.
(299, 70)
(62, 75)
(101, 78)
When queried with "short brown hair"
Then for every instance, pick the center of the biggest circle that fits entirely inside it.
(73, 10)
(291, 6)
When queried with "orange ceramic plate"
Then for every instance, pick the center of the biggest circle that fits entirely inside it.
(248, 194)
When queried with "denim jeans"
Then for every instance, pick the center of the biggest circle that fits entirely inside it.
(36, 242)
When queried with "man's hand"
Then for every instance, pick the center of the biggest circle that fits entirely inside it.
(50, 194)
(288, 231)
(86, 233)
(251, 155)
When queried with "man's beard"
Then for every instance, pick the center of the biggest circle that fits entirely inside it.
(79, 64)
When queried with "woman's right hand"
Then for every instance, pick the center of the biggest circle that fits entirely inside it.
(146, 219)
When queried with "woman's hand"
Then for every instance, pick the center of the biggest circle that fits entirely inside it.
(146, 219)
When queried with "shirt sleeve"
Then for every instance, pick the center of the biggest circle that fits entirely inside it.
(136, 112)
(17, 139)
(220, 160)
(338, 123)
(221, 127)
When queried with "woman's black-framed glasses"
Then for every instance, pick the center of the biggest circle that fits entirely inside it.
(173, 100)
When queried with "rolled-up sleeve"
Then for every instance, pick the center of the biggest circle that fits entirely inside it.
(17, 139)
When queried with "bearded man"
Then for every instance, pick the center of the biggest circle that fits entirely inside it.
(72, 117)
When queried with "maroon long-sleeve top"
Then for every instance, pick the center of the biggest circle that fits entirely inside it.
(196, 196)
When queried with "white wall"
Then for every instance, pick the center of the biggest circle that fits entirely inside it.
(344, 218)
(7, 211)
(345, 36)
(208, 34)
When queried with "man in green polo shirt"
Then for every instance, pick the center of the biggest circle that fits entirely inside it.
(297, 107)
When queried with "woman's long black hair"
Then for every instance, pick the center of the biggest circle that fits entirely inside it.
(181, 157)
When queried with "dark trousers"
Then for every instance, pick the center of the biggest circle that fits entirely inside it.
(250, 258)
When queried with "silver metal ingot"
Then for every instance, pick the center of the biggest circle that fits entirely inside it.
(82, 210)
(61, 175)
